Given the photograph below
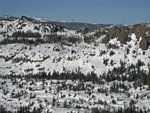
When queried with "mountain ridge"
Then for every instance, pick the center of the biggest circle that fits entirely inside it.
(68, 25)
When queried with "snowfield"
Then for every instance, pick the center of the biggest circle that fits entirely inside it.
(22, 59)
(103, 76)
(54, 99)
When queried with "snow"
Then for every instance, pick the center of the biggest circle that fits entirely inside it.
(1, 38)
(75, 97)
(21, 59)
(67, 33)
(86, 57)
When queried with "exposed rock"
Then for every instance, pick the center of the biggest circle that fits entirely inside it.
(105, 40)
(122, 34)
(139, 30)
(112, 32)
(143, 44)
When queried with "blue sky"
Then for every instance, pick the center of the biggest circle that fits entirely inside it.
(92, 11)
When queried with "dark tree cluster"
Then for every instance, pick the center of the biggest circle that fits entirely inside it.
(130, 109)
(25, 34)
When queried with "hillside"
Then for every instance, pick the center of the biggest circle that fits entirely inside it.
(56, 68)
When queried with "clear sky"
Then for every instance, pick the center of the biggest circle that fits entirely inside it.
(92, 11)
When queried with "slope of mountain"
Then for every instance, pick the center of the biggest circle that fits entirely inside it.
(50, 68)
(23, 59)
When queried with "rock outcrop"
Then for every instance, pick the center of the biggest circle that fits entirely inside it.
(143, 44)
(123, 34)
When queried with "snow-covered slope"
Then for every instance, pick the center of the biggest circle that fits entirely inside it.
(35, 25)
(96, 57)
(22, 59)
(85, 57)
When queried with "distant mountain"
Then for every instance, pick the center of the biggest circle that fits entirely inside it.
(74, 25)
(79, 25)
(7, 17)
(68, 25)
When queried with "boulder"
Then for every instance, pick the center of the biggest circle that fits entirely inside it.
(143, 44)
(105, 40)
